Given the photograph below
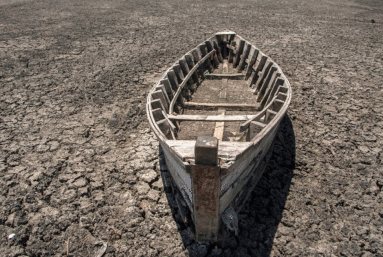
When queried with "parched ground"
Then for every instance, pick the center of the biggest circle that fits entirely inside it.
(78, 163)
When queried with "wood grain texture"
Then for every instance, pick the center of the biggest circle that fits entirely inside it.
(182, 85)
(219, 127)
(211, 118)
(226, 150)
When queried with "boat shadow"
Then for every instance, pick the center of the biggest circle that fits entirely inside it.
(262, 213)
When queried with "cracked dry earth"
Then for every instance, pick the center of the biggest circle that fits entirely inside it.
(79, 165)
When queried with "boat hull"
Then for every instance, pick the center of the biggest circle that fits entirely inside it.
(209, 192)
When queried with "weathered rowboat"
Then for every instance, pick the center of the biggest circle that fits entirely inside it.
(215, 113)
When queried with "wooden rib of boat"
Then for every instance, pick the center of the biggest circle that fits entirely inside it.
(215, 112)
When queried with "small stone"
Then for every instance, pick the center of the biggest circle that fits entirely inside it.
(367, 254)
(42, 148)
(81, 182)
(11, 236)
(153, 195)
(364, 149)
(82, 191)
(145, 204)
(137, 164)
(158, 185)
(10, 220)
(54, 145)
(96, 185)
(50, 211)
(98, 196)
(149, 176)
(142, 188)
(284, 230)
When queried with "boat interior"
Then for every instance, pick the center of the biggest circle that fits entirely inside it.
(226, 88)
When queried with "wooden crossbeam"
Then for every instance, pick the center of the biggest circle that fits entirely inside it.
(237, 76)
(193, 105)
(211, 118)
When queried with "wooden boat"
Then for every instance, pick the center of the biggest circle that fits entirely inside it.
(215, 112)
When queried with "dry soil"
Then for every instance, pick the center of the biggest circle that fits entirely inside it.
(78, 163)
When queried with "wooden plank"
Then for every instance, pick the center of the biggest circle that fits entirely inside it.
(162, 88)
(257, 174)
(211, 118)
(196, 56)
(206, 189)
(168, 88)
(238, 53)
(283, 89)
(259, 65)
(235, 76)
(231, 51)
(263, 75)
(269, 116)
(278, 105)
(158, 114)
(244, 56)
(189, 61)
(184, 66)
(221, 44)
(260, 62)
(265, 89)
(166, 128)
(178, 72)
(209, 47)
(254, 128)
(225, 41)
(274, 89)
(185, 69)
(225, 66)
(226, 149)
(174, 84)
(219, 127)
(231, 37)
(229, 195)
(182, 179)
(194, 105)
(173, 80)
(223, 92)
(244, 160)
(282, 96)
(202, 49)
(225, 33)
(160, 95)
(257, 117)
(180, 87)
(157, 104)
(232, 47)
(218, 51)
(251, 63)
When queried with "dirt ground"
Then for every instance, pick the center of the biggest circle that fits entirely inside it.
(78, 163)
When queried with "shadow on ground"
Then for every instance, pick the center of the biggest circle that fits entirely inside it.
(261, 215)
